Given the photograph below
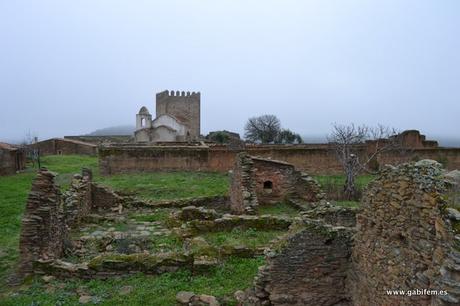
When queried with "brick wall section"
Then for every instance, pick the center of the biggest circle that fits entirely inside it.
(257, 181)
(310, 268)
(243, 198)
(43, 227)
(314, 159)
(56, 146)
(403, 238)
(286, 181)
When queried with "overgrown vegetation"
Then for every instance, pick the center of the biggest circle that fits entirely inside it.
(234, 274)
(252, 238)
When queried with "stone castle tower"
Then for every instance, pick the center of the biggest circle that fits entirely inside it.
(185, 107)
(177, 118)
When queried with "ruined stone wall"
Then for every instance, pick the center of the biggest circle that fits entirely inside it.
(97, 140)
(315, 159)
(243, 199)
(57, 146)
(309, 267)
(257, 181)
(49, 216)
(185, 107)
(102, 198)
(43, 227)
(11, 161)
(78, 199)
(404, 238)
(285, 181)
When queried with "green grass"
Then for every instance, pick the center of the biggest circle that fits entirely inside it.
(160, 214)
(67, 165)
(339, 180)
(251, 237)
(278, 209)
(234, 274)
(167, 243)
(351, 204)
(14, 190)
(169, 185)
(13, 195)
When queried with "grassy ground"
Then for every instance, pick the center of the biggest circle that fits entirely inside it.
(332, 185)
(278, 209)
(13, 196)
(251, 237)
(347, 203)
(234, 274)
(339, 180)
(167, 186)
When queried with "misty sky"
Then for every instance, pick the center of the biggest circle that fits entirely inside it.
(70, 67)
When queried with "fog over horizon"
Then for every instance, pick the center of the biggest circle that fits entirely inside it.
(72, 67)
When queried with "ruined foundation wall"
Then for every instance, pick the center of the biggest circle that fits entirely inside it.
(49, 216)
(78, 199)
(404, 238)
(309, 267)
(43, 227)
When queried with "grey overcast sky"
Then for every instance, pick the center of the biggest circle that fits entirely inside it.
(70, 67)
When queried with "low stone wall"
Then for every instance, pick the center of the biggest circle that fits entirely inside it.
(58, 146)
(103, 198)
(49, 216)
(333, 215)
(316, 159)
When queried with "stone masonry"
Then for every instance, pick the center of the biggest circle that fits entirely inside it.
(243, 198)
(43, 230)
(406, 238)
(258, 181)
(308, 267)
(49, 216)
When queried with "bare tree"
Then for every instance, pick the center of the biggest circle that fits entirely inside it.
(32, 153)
(264, 129)
(348, 141)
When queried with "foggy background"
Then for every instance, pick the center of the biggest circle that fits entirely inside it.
(71, 67)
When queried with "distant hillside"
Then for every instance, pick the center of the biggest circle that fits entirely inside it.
(114, 130)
